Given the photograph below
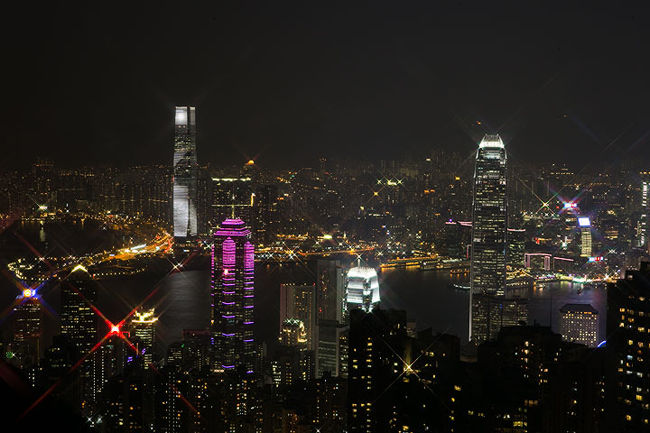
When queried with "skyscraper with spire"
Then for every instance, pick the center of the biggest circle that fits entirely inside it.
(185, 173)
(233, 296)
(489, 229)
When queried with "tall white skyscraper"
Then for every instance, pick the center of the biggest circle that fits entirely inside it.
(489, 229)
(361, 289)
(644, 217)
(185, 173)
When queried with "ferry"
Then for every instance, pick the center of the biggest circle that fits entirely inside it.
(457, 286)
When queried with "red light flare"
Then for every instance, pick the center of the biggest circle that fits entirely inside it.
(114, 330)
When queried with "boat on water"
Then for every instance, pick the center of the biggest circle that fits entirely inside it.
(457, 286)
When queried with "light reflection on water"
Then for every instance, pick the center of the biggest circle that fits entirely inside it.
(182, 301)
(429, 301)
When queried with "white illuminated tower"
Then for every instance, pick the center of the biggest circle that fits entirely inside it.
(644, 217)
(585, 236)
(233, 296)
(489, 229)
(361, 289)
(185, 173)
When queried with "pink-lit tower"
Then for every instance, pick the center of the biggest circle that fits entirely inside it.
(233, 296)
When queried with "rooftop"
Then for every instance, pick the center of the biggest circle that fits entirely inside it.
(578, 308)
(491, 141)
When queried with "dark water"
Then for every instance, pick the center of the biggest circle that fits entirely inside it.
(431, 303)
(75, 237)
(182, 299)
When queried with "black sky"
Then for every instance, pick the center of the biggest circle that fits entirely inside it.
(286, 82)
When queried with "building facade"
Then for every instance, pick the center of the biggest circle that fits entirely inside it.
(143, 331)
(585, 236)
(361, 289)
(298, 301)
(27, 329)
(489, 223)
(185, 174)
(644, 216)
(628, 322)
(79, 326)
(233, 296)
(579, 324)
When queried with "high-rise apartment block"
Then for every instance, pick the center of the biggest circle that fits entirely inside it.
(579, 324)
(143, 331)
(298, 301)
(628, 322)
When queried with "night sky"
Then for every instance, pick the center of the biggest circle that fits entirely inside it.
(287, 82)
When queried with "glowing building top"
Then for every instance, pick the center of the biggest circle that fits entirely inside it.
(144, 317)
(232, 227)
(292, 333)
(491, 141)
(362, 289)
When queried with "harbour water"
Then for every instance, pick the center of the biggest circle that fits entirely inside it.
(182, 301)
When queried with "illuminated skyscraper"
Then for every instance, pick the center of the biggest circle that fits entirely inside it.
(292, 333)
(642, 226)
(298, 301)
(331, 348)
(27, 331)
(330, 290)
(233, 295)
(579, 324)
(628, 340)
(378, 357)
(489, 228)
(490, 313)
(143, 333)
(78, 321)
(79, 325)
(516, 247)
(185, 173)
(489, 224)
(585, 236)
(361, 289)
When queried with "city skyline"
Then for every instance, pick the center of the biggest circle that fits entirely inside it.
(299, 218)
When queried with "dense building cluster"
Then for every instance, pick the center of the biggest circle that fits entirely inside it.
(342, 361)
